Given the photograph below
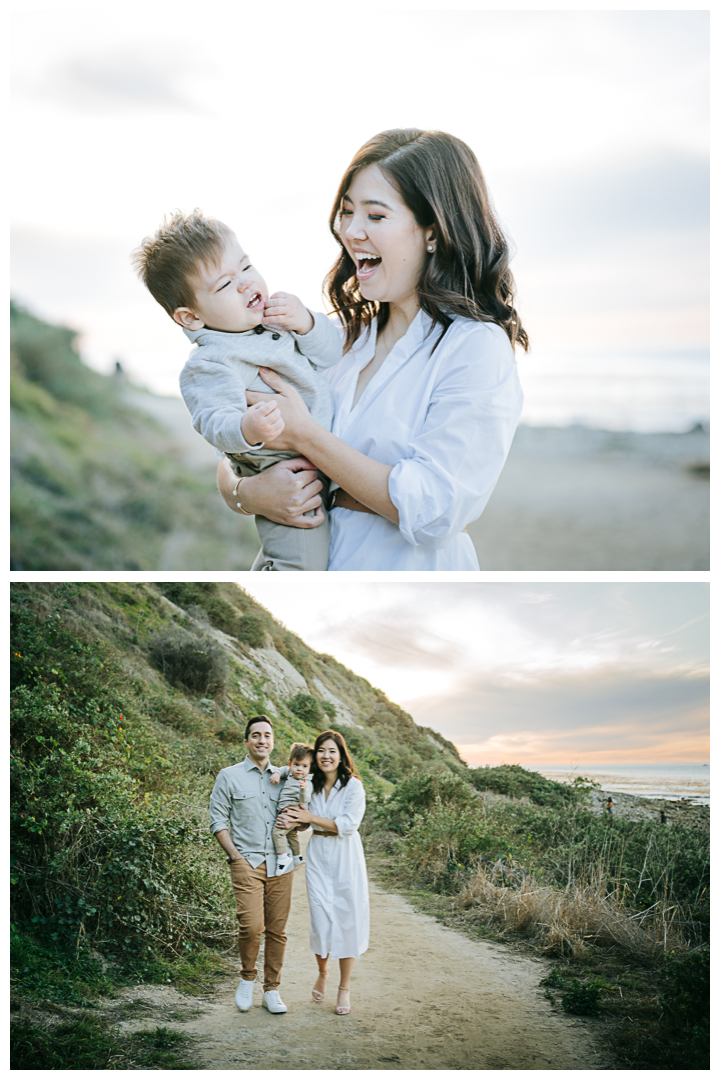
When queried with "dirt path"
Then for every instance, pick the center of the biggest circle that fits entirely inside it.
(423, 997)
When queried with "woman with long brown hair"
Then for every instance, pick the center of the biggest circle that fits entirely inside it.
(335, 864)
(427, 396)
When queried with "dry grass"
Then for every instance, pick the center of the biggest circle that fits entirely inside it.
(565, 921)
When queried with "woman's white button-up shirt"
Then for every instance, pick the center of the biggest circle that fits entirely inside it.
(445, 421)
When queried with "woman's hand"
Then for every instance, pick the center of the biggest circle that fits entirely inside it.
(292, 816)
(283, 493)
(295, 413)
(362, 477)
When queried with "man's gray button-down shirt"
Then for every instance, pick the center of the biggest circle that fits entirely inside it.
(245, 802)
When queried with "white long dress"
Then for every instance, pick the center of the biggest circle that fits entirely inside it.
(336, 876)
(445, 421)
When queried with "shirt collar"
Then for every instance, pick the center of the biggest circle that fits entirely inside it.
(419, 329)
(254, 347)
(249, 764)
(416, 333)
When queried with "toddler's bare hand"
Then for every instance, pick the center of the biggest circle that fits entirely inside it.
(262, 423)
(288, 311)
(275, 778)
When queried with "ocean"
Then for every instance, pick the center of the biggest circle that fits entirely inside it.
(674, 780)
(628, 391)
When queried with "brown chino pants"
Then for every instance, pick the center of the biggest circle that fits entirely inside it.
(261, 903)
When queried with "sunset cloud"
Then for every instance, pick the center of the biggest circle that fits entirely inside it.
(520, 673)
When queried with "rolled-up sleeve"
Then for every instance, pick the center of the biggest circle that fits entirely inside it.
(353, 808)
(456, 456)
(220, 802)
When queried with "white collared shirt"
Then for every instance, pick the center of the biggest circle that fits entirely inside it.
(445, 421)
(335, 875)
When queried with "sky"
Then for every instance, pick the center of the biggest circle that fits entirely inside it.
(591, 128)
(522, 673)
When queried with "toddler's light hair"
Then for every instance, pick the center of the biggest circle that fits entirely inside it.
(167, 261)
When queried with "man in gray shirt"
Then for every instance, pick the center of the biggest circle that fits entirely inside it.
(243, 808)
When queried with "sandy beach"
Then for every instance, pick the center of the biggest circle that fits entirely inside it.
(579, 499)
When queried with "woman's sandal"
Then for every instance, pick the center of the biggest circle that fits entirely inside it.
(318, 995)
(343, 1010)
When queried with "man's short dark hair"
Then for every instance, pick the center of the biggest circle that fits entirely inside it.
(256, 720)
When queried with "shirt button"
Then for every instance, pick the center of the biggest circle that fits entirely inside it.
(276, 337)
(259, 329)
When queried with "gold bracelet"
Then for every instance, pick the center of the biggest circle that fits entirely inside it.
(235, 491)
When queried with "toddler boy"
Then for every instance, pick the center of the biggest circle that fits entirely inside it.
(296, 791)
(196, 269)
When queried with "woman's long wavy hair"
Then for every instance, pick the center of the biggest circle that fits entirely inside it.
(440, 180)
(346, 767)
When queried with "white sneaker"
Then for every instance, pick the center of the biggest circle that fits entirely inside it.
(273, 1002)
(244, 995)
(284, 864)
(298, 860)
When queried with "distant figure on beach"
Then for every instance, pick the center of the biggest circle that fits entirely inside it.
(609, 805)
(663, 817)
(426, 396)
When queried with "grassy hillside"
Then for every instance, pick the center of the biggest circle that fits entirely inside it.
(95, 483)
(127, 700)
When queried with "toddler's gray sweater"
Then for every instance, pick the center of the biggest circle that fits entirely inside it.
(292, 794)
(223, 366)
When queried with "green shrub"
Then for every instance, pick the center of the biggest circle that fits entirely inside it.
(517, 782)
(579, 998)
(49, 971)
(447, 838)
(308, 708)
(689, 976)
(122, 878)
(251, 630)
(420, 792)
(583, 998)
(193, 661)
(554, 979)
